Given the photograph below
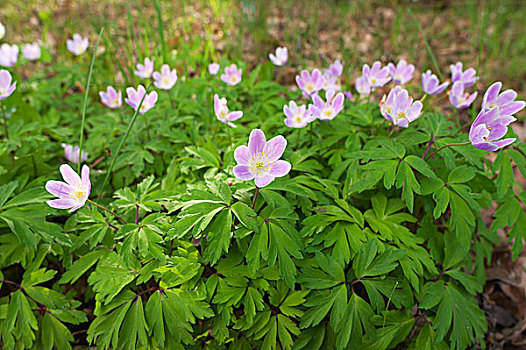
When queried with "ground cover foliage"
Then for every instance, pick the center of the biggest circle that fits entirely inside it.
(373, 240)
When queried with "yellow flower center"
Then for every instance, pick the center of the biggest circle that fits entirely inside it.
(259, 164)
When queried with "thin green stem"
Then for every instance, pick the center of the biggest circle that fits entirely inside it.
(255, 198)
(5, 121)
(123, 140)
(457, 118)
(147, 127)
(446, 146)
(86, 101)
(109, 211)
(228, 135)
(172, 98)
(392, 131)
(428, 47)
(298, 139)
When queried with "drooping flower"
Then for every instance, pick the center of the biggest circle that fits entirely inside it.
(402, 72)
(111, 98)
(260, 160)
(430, 83)
(309, 83)
(135, 96)
(8, 55)
(145, 70)
(2, 31)
(399, 108)
(335, 69)
(467, 77)
(213, 68)
(166, 79)
(297, 116)
(281, 56)
(362, 86)
(488, 128)
(6, 88)
(327, 110)
(232, 75)
(72, 153)
(222, 112)
(73, 193)
(31, 51)
(505, 100)
(459, 98)
(377, 76)
(330, 82)
(78, 45)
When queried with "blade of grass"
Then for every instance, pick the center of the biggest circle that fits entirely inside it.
(427, 46)
(123, 140)
(81, 141)
(161, 32)
(479, 58)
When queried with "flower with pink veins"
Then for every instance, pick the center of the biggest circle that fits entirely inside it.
(145, 70)
(78, 45)
(166, 79)
(8, 55)
(73, 193)
(377, 76)
(297, 116)
(281, 56)
(222, 112)
(309, 83)
(232, 75)
(460, 99)
(6, 88)
(111, 97)
(327, 110)
(402, 73)
(335, 69)
(31, 51)
(504, 100)
(213, 68)
(467, 77)
(72, 153)
(362, 86)
(260, 159)
(399, 108)
(135, 96)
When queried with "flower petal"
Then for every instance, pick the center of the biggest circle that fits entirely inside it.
(242, 172)
(256, 141)
(234, 115)
(69, 175)
(61, 203)
(58, 188)
(275, 147)
(263, 181)
(280, 168)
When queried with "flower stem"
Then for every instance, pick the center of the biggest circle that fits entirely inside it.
(147, 127)
(298, 139)
(5, 121)
(446, 146)
(171, 98)
(109, 211)
(457, 118)
(228, 135)
(81, 141)
(255, 198)
(392, 130)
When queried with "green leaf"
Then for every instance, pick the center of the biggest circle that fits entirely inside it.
(461, 174)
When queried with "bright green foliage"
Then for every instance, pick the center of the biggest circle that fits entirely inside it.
(365, 244)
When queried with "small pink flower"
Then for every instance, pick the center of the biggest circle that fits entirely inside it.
(31, 51)
(309, 83)
(232, 75)
(8, 55)
(281, 56)
(72, 154)
(460, 99)
(327, 110)
(213, 68)
(377, 76)
(135, 96)
(260, 160)
(73, 193)
(166, 79)
(111, 98)
(145, 70)
(402, 73)
(6, 88)
(362, 86)
(78, 45)
(335, 69)
(467, 77)
(398, 107)
(297, 116)
(222, 112)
